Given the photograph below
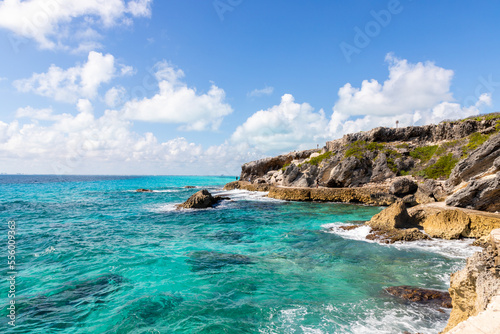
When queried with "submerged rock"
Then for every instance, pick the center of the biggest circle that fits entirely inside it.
(141, 190)
(394, 235)
(200, 200)
(206, 260)
(419, 295)
(189, 187)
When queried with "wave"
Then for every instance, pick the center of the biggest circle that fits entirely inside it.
(458, 249)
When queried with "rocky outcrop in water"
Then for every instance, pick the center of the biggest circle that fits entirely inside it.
(201, 200)
(420, 295)
(144, 190)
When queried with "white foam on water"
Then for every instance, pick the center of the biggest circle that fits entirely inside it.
(396, 320)
(245, 195)
(48, 250)
(460, 249)
(167, 191)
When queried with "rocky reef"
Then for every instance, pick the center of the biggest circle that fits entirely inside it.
(201, 200)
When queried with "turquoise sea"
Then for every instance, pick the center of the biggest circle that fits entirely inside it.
(94, 256)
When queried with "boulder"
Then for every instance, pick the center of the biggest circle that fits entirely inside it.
(481, 194)
(433, 189)
(200, 200)
(381, 171)
(419, 295)
(403, 186)
(395, 216)
(350, 172)
(447, 224)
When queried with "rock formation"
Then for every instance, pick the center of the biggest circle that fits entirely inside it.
(200, 200)
(473, 287)
(144, 190)
(420, 295)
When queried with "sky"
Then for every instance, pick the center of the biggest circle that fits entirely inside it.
(185, 87)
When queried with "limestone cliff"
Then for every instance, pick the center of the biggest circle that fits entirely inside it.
(473, 287)
(468, 150)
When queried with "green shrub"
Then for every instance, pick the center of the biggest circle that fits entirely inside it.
(402, 145)
(285, 166)
(316, 160)
(475, 140)
(445, 147)
(424, 153)
(442, 167)
(358, 148)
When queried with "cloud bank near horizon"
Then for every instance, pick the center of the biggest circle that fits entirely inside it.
(80, 142)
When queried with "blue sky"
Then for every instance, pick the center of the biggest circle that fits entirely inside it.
(200, 87)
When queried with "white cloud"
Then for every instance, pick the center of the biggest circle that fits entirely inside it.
(115, 96)
(3, 79)
(286, 126)
(179, 104)
(410, 87)
(261, 92)
(81, 81)
(83, 143)
(414, 94)
(48, 22)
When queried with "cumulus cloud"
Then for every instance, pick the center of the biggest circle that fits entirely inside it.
(409, 87)
(286, 126)
(115, 96)
(414, 94)
(83, 143)
(177, 103)
(81, 81)
(261, 92)
(49, 22)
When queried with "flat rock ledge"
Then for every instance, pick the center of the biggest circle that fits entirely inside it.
(376, 195)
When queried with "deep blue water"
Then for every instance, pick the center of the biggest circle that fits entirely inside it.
(94, 256)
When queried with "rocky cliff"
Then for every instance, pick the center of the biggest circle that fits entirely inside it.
(460, 158)
(473, 288)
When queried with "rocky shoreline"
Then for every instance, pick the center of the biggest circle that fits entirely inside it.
(438, 181)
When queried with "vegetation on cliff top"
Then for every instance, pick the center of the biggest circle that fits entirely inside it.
(358, 148)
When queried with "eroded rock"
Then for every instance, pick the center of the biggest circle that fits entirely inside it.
(420, 295)
(403, 186)
(200, 200)
(395, 216)
(447, 224)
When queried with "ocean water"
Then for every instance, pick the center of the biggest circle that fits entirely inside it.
(94, 256)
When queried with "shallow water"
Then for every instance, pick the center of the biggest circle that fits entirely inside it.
(93, 256)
